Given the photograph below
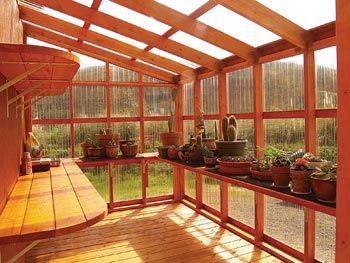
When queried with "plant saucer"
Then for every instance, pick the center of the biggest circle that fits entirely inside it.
(281, 187)
(300, 193)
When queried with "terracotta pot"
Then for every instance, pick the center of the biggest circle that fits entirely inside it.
(325, 190)
(95, 152)
(236, 168)
(195, 155)
(163, 151)
(209, 143)
(281, 176)
(111, 151)
(210, 161)
(104, 139)
(129, 150)
(85, 146)
(265, 175)
(170, 138)
(234, 148)
(301, 181)
(173, 153)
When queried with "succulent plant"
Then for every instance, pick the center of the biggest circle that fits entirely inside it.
(108, 130)
(229, 128)
(281, 160)
(171, 121)
(88, 140)
(311, 158)
(112, 143)
(328, 171)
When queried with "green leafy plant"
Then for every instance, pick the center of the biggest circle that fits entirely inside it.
(326, 172)
(311, 158)
(112, 143)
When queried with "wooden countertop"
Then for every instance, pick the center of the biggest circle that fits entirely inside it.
(49, 204)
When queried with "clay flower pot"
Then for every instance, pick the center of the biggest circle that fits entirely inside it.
(95, 152)
(170, 138)
(209, 143)
(209, 161)
(235, 168)
(111, 151)
(129, 150)
(281, 176)
(264, 175)
(231, 148)
(173, 152)
(195, 155)
(163, 151)
(301, 183)
(325, 190)
(104, 139)
(85, 146)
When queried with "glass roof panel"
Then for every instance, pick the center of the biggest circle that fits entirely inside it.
(144, 62)
(173, 57)
(199, 44)
(84, 2)
(64, 17)
(184, 6)
(117, 36)
(33, 41)
(307, 14)
(86, 61)
(133, 17)
(237, 26)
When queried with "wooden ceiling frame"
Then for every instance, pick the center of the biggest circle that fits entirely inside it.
(97, 53)
(190, 26)
(119, 26)
(95, 5)
(269, 19)
(58, 25)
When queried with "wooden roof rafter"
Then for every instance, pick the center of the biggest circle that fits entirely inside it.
(95, 38)
(119, 26)
(95, 5)
(189, 25)
(94, 52)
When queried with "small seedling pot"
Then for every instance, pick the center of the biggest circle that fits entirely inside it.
(281, 176)
(301, 183)
(325, 190)
(111, 151)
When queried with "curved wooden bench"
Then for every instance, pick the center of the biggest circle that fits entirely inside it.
(49, 204)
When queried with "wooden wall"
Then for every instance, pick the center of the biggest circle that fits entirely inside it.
(11, 129)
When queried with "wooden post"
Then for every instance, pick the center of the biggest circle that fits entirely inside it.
(223, 110)
(309, 235)
(199, 191)
(176, 184)
(141, 115)
(259, 216)
(224, 201)
(28, 121)
(179, 112)
(343, 178)
(71, 120)
(310, 101)
(144, 179)
(258, 107)
(110, 185)
(197, 92)
(108, 97)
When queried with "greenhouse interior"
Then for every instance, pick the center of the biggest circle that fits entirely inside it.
(174, 131)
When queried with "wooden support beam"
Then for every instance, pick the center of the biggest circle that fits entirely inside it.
(224, 201)
(141, 115)
(223, 110)
(114, 24)
(259, 217)
(199, 191)
(20, 95)
(43, 20)
(310, 101)
(95, 5)
(258, 108)
(108, 97)
(269, 19)
(309, 235)
(71, 118)
(21, 76)
(343, 179)
(29, 100)
(189, 25)
(144, 180)
(110, 186)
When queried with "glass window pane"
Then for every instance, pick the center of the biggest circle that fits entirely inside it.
(52, 107)
(190, 184)
(146, 78)
(32, 41)
(156, 101)
(124, 101)
(160, 179)
(325, 237)
(152, 134)
(247, 31)
(89, 71)
(313, 12)
(188, 99)
(188, 130)
(210, 128)
(127, 182)
(240, 91)
(211, 192)
(89, 101)
(284, 221)
(81, 131)
(131, 128)
(284, 84)
(286, 134)
(174, 58)
(210, 99)
(246, 131)
(241, 204)
(326, 131)
(54, 138)
(326, 78)
(121, 74)
(98, 176)
(183, 6)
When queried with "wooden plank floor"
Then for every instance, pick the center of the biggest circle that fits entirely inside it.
(165, 233)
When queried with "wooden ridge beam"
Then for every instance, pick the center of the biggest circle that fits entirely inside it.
(119, 26)
(189, 25)
(43, 20)
(92, 51)
(269, 19)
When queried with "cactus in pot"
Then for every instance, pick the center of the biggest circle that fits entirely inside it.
(230, 145)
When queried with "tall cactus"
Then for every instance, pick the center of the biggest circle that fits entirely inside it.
(229, 128)
(231, 133)
(224, 126)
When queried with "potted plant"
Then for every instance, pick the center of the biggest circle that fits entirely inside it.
(195, 152)
(207, 141)
(173, 152)
(105, 136)
(86, 145)
(236, 165)
(112, 149)
(313, 160)
(281, 169)
(261, 169)
(171, 137)
(129, 149)
(163, 151)
(95, 151)
(230, 145)
(209, 158)
(324, 182)
(300, 175)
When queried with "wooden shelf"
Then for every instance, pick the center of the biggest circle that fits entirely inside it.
(37, 70)
(49, 204)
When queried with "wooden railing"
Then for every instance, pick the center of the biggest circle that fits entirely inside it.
(213, 195)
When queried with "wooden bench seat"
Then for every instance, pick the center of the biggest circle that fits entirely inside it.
(49, 204)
